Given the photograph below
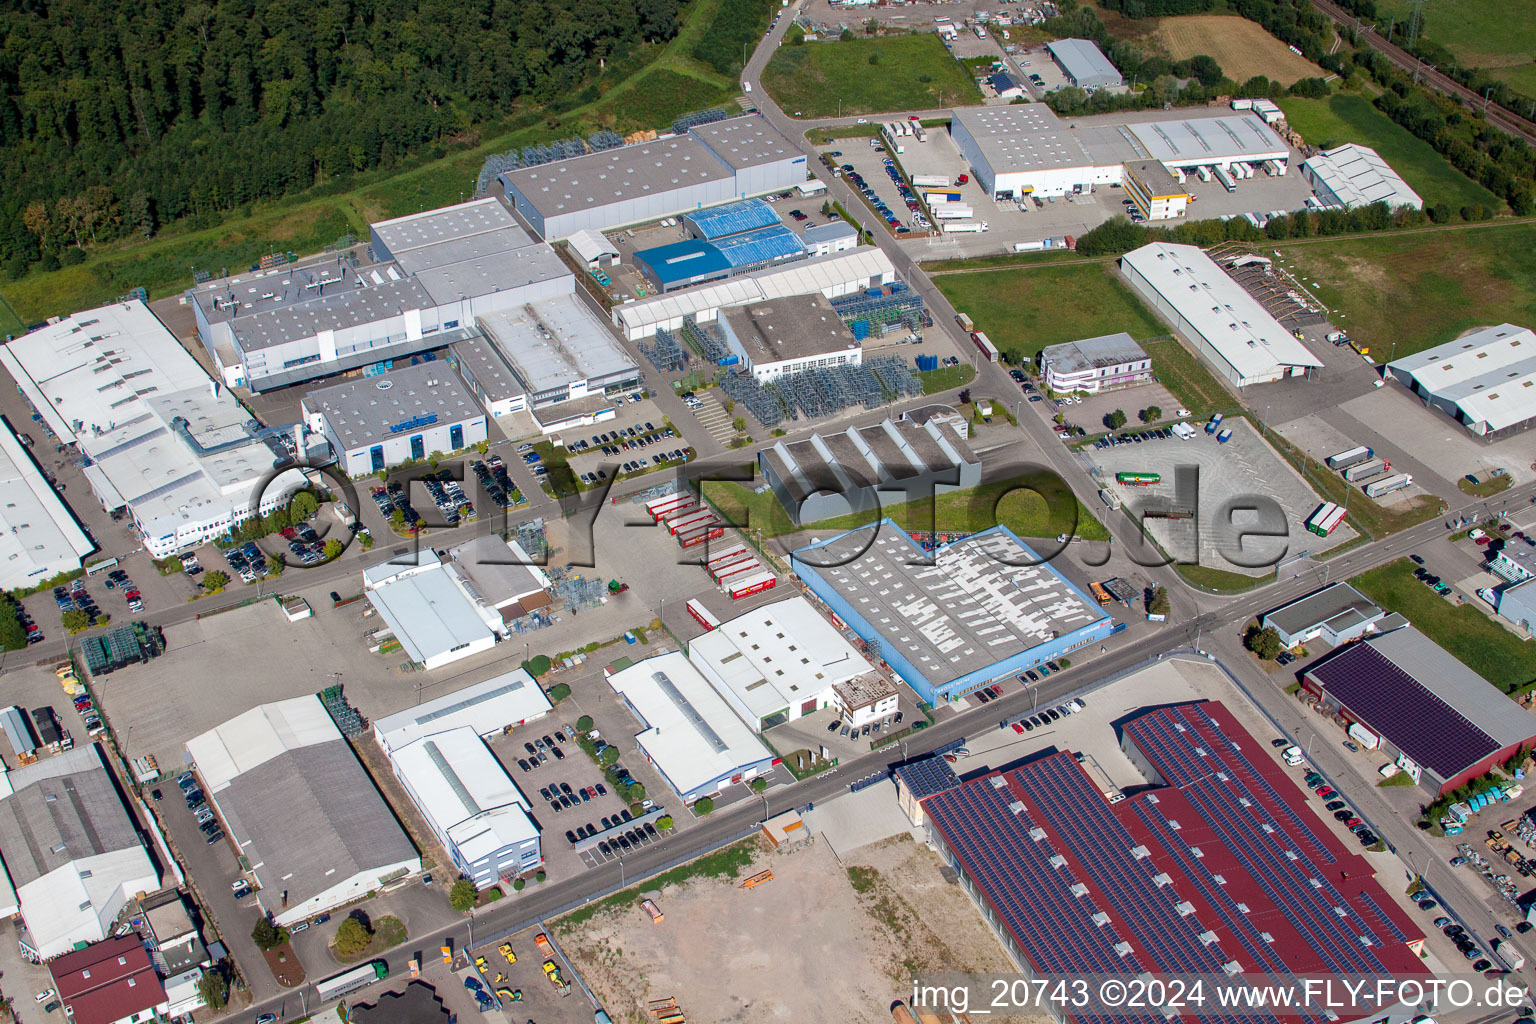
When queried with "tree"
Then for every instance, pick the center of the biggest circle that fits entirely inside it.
(871, 27)
(634, 793)
(608, 756)
(333, 548)
(1263, 642)
(559, 692)
(463, 895)
(1151, 414)
(739, 423)
(518, 885)
(584, 723)
(303, 506)
(1157, 604)
(267, 935)
(276, 565)
(665, 823)
(215, 579)
(214, 989)
(351, 938)
(703, 805)
(75, 620)
(1115, 420)
(846, 35)
(397, 517)
(537, 665)
(964, 397)
(758, 785)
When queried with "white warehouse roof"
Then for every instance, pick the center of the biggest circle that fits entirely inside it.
(691, 735)
(250, 740)
(1489, 374)
(508, 699)
(1356, 175)
(429, 610)
(458, 784)
(1230, 320)
(1203, 141)
(39, 537)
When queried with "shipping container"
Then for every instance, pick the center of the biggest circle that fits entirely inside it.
(984, 343)
(701, 615)
(1214, 424)
(952, 211)
(753, 585)
(667, 504)
(1224, 436)
(708, 531)
(1387, 485)
(689, 521)
(1365, 470)
(964, 227)
(1352, 457)
(931, 180)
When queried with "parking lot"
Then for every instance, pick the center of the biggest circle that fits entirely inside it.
(1230, 476)
(628, 445)
(512, 971)
(886, 195)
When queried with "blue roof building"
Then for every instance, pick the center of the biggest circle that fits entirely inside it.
(730, 219)
(973, 612)
(682, 264)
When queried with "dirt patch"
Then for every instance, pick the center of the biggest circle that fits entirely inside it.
(805, 946)
(284, 964)
(1241, 47)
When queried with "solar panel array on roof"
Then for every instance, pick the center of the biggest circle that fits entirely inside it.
(926, 777)
(763, 245)
(732, 218)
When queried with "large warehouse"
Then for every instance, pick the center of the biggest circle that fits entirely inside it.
(1230, 329)
(429, 609)
(558, 350)
(402, 415)
(1084, 64)
(1216, 866)
(306, 817)
(831, 276)
(39, 536)
(785, 661)
(72, 851)
(789, 335)
(1444, 723)
(689, 733)
(713, 163)
(500, 703)
(1485, 380)
(1221, 141)
(159, 438)
(1354, 175)
(975, 611)
(470, 803)
(435, 272)
(894, 461)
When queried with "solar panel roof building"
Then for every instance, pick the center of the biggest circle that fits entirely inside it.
(730, 219)
(1218, 867)
(974, 611)
(1448, 721)
(690, 735)
(1485, 380)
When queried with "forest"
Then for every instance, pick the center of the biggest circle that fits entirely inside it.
(117, 117)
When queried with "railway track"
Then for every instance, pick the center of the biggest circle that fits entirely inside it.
(1499, 117)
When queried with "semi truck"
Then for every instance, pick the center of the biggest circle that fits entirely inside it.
(1387, 485)
(931, 180)
(965, 227)
(1365, 470)
(1352, 457)
(952, 211)
(1223, 176)
(1109, 498)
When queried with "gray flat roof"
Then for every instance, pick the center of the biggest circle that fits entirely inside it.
(794, 327)
(451, 234)
(64, 808)
(983, 600)
(363, 410)
(485, 363)
(1156, 178)
(744, 142)
(614, 175)
(1090, 353)
(499, 271)
(314, 818)
(1023, 137)
(1084, 61)
(829, 232)
(556, 342)
(902, 449)
(1338, 603)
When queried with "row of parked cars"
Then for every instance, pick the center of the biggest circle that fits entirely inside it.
(626, 839)
(76, 598)
(495, 484)
(541, 748)
(1041, 719)
(447, 494)
(197, 803)
(855, 732)
(392, 497)
(1341, 811)
(874, 199)
(1114, 440)
(247, 561)
(118, 580)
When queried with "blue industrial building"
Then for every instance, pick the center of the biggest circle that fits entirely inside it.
(697, 261)
(969, 614)
(730, 219)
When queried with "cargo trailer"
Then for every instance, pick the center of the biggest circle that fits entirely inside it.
(753, 585)
(1352, 457)
(1365, 470)
(1387, 485)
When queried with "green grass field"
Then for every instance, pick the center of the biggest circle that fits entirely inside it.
(1476, 641)
(646, 89)
(1350, 117)
(1489, 34)
(911, 73)
(1181, 372)
(1401, 293)
(1026, 310)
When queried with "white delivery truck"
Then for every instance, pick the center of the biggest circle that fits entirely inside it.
(931, 180)
(964, 227)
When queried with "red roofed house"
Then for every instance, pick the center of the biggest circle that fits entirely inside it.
(109, 982)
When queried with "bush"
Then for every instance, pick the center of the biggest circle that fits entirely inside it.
(1263, 642)
(584, 723)
(215, 579)
(1157, 604)
(540, 876)
(559, 692)
(758, 785)
(352, 938)
(634, 793)
(1151, 414)
(463, 895)
(518, 885)
(665, 823)
(608, 756)
(703, 805)
(537, 665)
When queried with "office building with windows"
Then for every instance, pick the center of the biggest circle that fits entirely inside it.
(374, 422)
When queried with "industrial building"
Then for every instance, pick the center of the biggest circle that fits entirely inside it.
(826, 239)
(785, 661)
(1406, 697)
(428, 609)
(39, 536)
(557, 350)
(1095, 364)
(1485, 379)
(894, 461)
(1185, 143)
(434, 273)
(1516, 604)
(1005, 86)
(1227, 326)
(109, 982)
(501, 576)
(402, 415)
(1158, 195)
(689, 734)
(698, 261)
(731, 219)
(1514, 562)
(710, 164)
(1084, 64)
(314, 831)
(970, 613)
(72, 851)
(159, 438)
(789, 335)
(491, 708)
(1217, 866)
(593, 249)
(470, 803)
(1336, 614)
(1354, 175)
